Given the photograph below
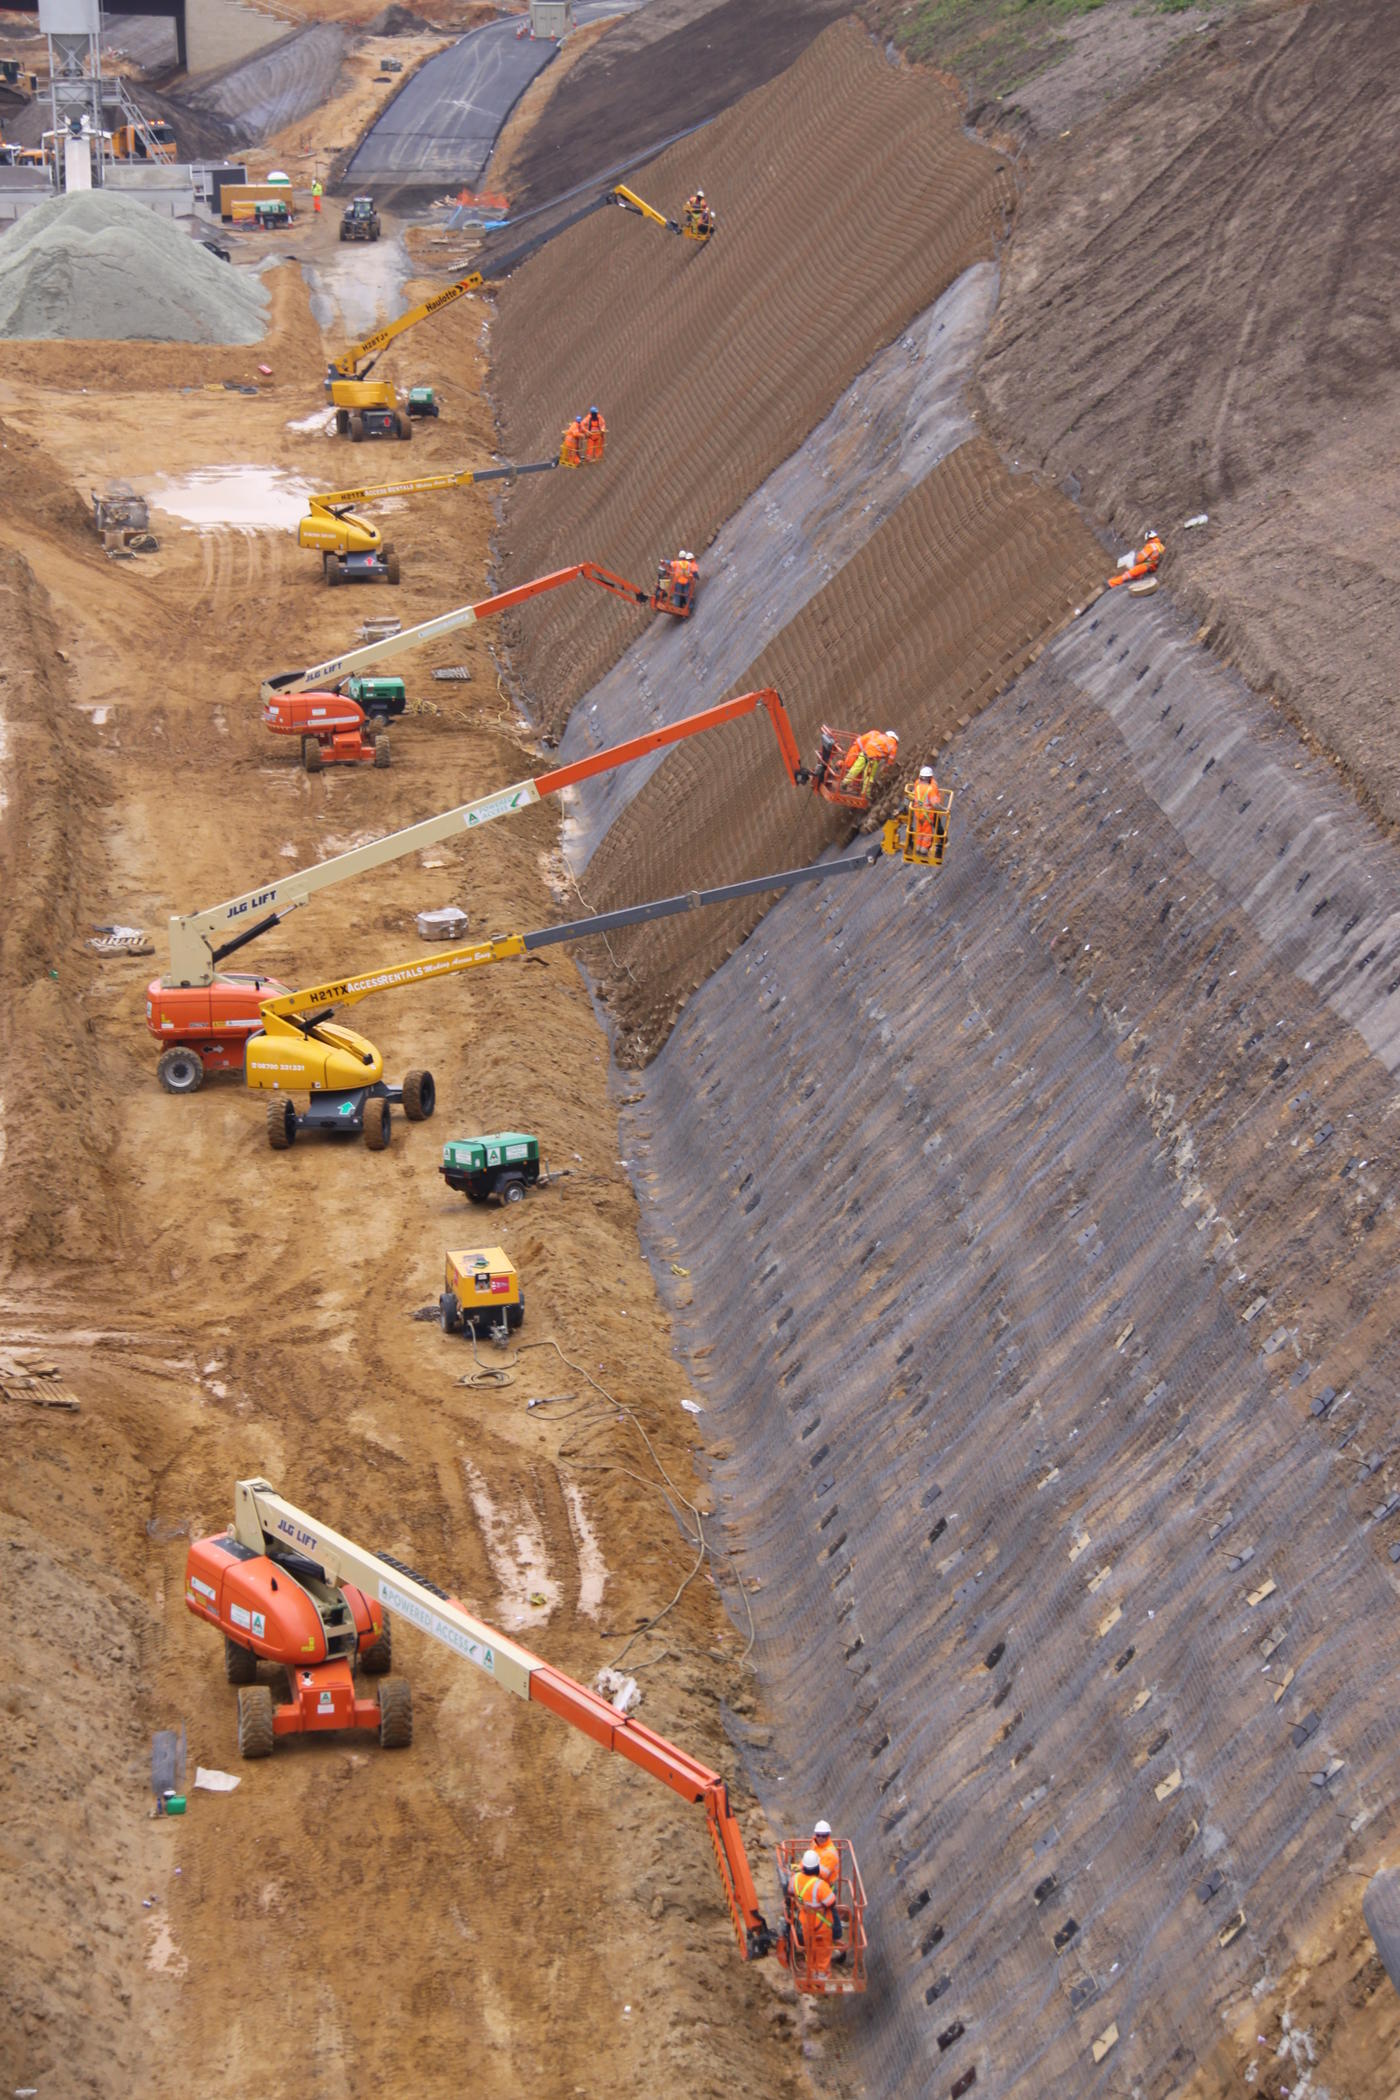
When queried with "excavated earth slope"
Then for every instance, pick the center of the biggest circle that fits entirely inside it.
(1197, 315)
(713, 364)
(1039, 1280)
(924, 625)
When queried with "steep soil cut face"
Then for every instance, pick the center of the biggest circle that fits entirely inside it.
(925, 625)
(1195, 317)
(713, 364)
(1059, 1393)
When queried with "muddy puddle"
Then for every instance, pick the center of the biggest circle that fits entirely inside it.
(233, 499)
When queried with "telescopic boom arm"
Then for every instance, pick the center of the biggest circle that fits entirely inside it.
(336, 502)
(360, 359)
(265, 1523)
(317, 676)
(316, 1000)
(195, 947)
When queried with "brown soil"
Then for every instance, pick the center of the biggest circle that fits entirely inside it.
(501, 1893)
(712, 363)
(925, 626)
(1191, 321)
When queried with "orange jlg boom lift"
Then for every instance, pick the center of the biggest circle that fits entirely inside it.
(283, 1588)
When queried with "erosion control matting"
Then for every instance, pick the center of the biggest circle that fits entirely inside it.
(1196, 316)
(894, 423)
(926, 623)
(1037, 1286)
(712, 364)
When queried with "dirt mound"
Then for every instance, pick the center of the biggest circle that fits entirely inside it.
(925, 625)
(658, 73)
(1195, 318)
(713, 364)
(96, 266)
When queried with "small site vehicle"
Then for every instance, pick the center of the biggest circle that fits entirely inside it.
(482, 1293)
(494, 1169)
(422, 401)
(272, 211)
(381, 698)
(360, 221)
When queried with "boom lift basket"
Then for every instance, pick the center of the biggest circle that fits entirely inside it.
(829, 768)
(847, 1972)
(920, 836)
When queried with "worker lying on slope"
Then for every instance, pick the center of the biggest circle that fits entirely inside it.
(812, 1905)
(877, 748)
(1143, 563)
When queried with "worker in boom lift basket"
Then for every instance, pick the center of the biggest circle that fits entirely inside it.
(923, 797)
(812, 1906)
(824, 1845)
(1143, 563)
(878, 747)
(698, 213)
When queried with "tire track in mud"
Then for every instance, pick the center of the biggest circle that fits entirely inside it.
(925, 625)
(713, 365)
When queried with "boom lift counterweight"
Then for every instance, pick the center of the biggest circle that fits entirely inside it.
(285, 1589)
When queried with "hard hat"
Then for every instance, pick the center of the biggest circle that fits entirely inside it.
(821, 1829)
(1149, 532)
(893, 735)
(699, 196)
(926, 772)
(810, 1863)
(594, 410)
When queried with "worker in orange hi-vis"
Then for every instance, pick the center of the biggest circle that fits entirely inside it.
(817, 1916)
(595, 432)
(923, 797)
(824, 1845)
(571, 450)
(878, 747)
(1143, 563)
(316, 194)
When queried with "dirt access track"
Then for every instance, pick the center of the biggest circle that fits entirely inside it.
(346, 1920)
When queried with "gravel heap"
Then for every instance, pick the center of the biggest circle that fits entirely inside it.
(97, 266)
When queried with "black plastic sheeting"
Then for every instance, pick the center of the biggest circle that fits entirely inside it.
(1041, 1505)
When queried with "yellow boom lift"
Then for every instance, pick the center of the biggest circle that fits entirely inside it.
(352, 550)
(696, 222)
(369, 408)
(303, 1048)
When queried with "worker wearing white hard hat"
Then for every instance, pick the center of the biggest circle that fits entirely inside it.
(815, 1914)
(924, 806)
(864, 758)
(825, 1847)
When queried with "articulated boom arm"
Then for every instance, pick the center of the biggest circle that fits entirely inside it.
(195, 955)
(317, 999)
(317, 676)
(265, 1523)
(349, 363)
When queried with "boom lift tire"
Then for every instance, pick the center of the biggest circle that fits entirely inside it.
(395, 1713)
(240, 1663)
(391, 562)
(342, 415)
(180, 1069)
(375, 1660)
(256, 1734)
(405, 426)
(381, 752)
(448, 1314)
(311, 754)
(357, 425)
(281, 1123)
(330, 568)
(419, 1096)
(378, 1128)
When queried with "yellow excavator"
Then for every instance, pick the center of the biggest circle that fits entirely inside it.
(353, 551)
(696, 222)
(369, 408)
(303, 1049)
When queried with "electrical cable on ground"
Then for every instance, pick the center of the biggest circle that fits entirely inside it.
(692, 1524)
